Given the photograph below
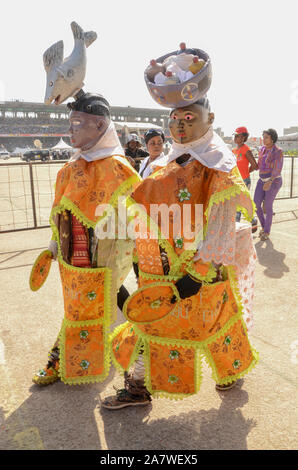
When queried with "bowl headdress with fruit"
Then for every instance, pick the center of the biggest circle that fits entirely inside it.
(181, 88)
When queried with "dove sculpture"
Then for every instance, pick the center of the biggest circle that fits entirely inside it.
(65, 76)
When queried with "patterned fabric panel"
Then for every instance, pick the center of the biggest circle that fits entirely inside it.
(172, 369)
(231, 354)
(83, 293)
(84, 352)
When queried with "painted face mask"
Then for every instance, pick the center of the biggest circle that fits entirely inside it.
(190, 123)
(65, 76)
(86, 129)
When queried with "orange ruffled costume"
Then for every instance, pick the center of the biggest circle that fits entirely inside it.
(89, 295)
(210, 324)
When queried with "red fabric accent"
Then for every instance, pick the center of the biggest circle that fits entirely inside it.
(80, 253)
(242, 162)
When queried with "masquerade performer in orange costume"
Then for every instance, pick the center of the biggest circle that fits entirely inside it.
(195, 286)
(92, 270)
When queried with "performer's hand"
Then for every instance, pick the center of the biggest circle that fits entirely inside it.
(187, 287)
(53, 247)
(136, 270)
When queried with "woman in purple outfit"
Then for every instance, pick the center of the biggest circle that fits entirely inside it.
(270, 181)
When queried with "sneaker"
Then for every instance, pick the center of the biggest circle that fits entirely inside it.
(134, 394)
(123, 399)
(225, 387)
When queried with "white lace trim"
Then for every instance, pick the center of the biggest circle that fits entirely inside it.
(219, 244)
(230, 243)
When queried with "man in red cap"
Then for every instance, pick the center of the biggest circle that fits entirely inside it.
(245, 161)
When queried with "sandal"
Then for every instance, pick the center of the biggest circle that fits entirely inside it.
(45, 376)
(50, 374)
(264, 236)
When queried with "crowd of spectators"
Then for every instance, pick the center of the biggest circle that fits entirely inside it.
(33, 129)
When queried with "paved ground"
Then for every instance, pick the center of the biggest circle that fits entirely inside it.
(258, 414)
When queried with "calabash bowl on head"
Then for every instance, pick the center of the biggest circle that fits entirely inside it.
(186, 93)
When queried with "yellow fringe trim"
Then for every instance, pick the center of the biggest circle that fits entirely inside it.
(245, 211)
(157, 277)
